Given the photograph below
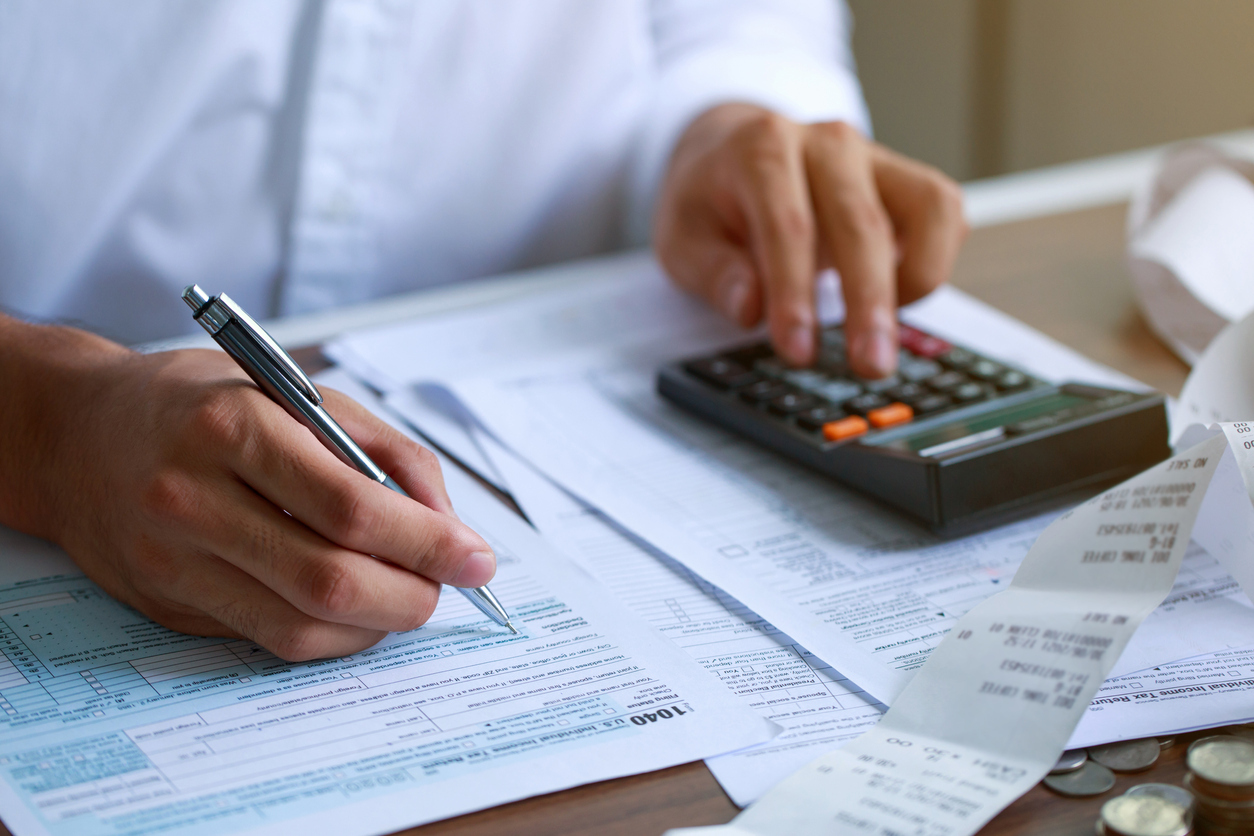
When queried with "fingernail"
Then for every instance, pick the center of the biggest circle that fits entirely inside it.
(733, 292)
(799, 343)
(477, 570)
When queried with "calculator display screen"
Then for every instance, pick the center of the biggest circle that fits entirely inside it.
(970, 425)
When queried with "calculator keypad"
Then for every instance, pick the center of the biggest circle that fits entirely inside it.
(829, 401)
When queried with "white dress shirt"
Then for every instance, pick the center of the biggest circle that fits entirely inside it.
(306, 155)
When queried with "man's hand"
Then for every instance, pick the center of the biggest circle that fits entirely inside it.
(184, 491)
(754, 206)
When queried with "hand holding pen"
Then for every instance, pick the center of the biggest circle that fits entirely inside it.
(184, 491)
(274, 371)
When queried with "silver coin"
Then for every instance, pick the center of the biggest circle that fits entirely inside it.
(1143, 815)
(1223, 760)
(1171, 792)
(1166, 742)
(1219, 800)
(1070, 761)
(1128, 755)
(1090, 779)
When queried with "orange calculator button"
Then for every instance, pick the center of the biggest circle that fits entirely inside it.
(844, 428)
(891, 415)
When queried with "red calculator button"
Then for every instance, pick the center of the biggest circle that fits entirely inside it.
(924, 345)
(845, 428)
(889, 416)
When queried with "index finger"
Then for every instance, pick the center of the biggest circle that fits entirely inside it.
(856, 232)
(282, 461)
(772, 192)
(408, 462)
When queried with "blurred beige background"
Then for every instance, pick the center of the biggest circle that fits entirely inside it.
(983, 87)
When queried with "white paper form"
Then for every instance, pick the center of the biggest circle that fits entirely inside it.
(817, 707)
(1216, 689)
(989, 713)
(829, 710)
(110, 724)
(632, 303)
(856, 584)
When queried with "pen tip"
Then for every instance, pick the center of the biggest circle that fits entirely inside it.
(511, 627)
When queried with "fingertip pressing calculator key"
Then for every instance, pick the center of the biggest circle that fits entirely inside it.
(957, 440)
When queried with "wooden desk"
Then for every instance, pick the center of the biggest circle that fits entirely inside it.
(1062, 274)
(1065, 275)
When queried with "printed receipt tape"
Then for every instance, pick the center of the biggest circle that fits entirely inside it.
(990, 711)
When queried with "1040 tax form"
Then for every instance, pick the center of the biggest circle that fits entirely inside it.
(111, 724)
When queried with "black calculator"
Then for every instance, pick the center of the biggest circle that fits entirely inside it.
(956, 440)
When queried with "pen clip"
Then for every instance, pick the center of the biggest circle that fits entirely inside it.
(211, 309)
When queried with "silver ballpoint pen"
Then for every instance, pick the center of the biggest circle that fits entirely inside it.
(277, 374)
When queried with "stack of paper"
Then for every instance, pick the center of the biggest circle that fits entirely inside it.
(813, 605)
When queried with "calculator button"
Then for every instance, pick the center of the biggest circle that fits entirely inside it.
(814, 419)
(839, 390)
(725, 374)
(845, 428)
(932, 403)
(985, 370)
(833, 338)
(1011, 380)
(863, 404)
(890, 416)
(968, 392)
(916, 370)
(907, 392)
(948, 380)
(748, 356)
(924, 345)
(791, 403)
(762, 391)
(831, 365)
(807, 379)
(957, 358)
(770, 366)
(880, 385)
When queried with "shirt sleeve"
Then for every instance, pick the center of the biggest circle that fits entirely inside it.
(790, 56)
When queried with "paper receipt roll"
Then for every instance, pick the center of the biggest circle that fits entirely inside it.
(989, 713)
